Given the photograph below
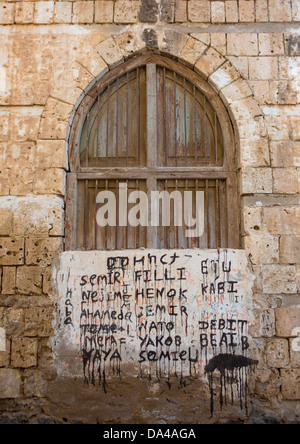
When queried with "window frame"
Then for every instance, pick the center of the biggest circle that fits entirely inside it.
(227, 171)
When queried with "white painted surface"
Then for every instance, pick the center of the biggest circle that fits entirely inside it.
(158, 312)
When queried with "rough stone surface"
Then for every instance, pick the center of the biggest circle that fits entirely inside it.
(50, 53)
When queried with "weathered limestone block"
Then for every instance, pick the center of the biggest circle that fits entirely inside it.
(62, 12)
(254, 153)
(10, 383)
(231, 10)
(279, 279)
(209, 62)
(34, 383)
(270, 44)
(43, 12)
(287, 321)
(126, 11)
(283, 92)
(167, 11)
(264, 249)
(257, 180)
(4, 352)
(24, 352)
(290, 383)
(49, 181)
(199, 11)
(285, 180)
(280, 11)
(38, 321)
(181, 11)
(47, 281)
(290, 249)
(24, 12)
(42, 251)
(54, 120)
(8, 280)
(192, 50)
(280, 220)
(285, 154)
(236, 90)
(4, 124)
(128, 42)
(242, 44)
(218, 42)
(246, 109)
(35, 216)
(104, 11)
(295, 350)
(277, 352)
(51, 154)
(263, 324)
(261, 11)
(109, 50)
(217, 12)
(11, 251)
(246, 11)
(263, 68)
(14, 321)
(6, 223)
(223, 76)
(29, 280)
(295, 10)
(252, 220)
(83, 12)
(6, 13)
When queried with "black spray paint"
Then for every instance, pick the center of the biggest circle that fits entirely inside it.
(234, 370)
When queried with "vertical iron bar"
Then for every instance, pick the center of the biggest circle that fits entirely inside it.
(107, 125)
(205, 132)
(126, 227)
(194, 125)
(184, 104)
(188, 240)
(127, 118)
(167, 232)
(87, 140)
(117, 213)
(216, 138)
(197, 187)
(138, 129)
(165, 144)
(218, 214)
(175, 117)
(98, 124)
(136, 139)
(85, 214)
(106, 230)
(117, 132)
(176, 228)
(207, 215)
(95, 216)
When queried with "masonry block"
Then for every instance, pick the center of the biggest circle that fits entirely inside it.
(287, 321)
(290, 383)
(29, 280)
(11, 251)
(24, 352)
(277, 352)
(10, 383)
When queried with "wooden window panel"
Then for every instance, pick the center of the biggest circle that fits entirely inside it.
(153, 124)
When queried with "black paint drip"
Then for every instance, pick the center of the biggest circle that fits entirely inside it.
(233, 369)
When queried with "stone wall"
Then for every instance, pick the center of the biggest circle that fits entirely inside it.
(51, 51)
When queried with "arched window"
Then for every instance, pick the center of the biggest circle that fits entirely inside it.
(151, 124)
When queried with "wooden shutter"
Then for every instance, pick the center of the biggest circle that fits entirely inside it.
(155, 125)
